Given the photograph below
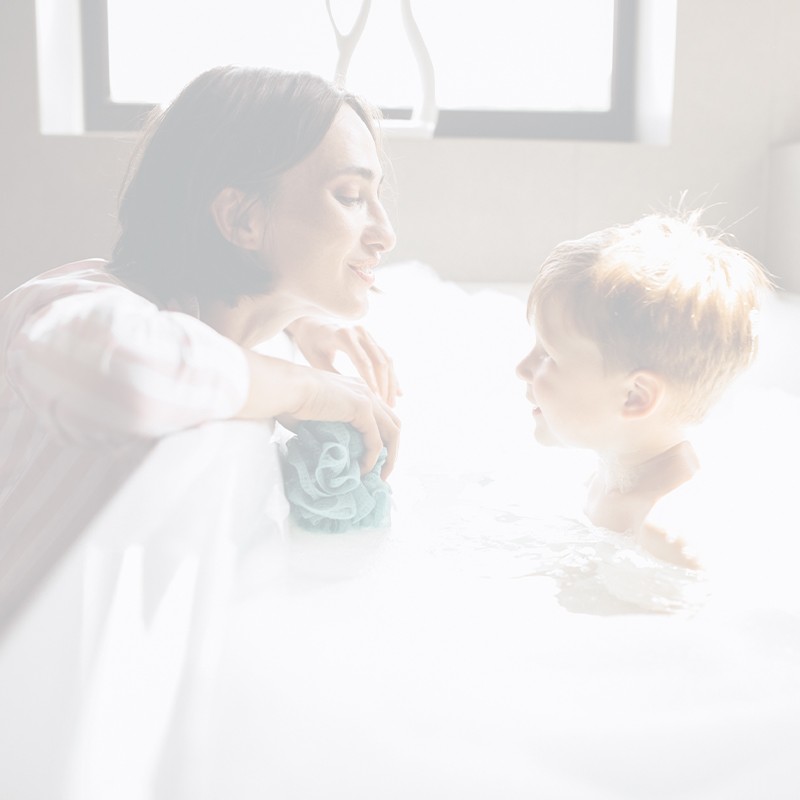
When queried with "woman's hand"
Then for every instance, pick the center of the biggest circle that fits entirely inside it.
(319, 342)
(289, 391)
(338, 398)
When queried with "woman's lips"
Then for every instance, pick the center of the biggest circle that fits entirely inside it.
(367, 274)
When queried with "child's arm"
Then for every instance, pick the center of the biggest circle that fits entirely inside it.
(667, 546)
(657, 523)
(673, 528)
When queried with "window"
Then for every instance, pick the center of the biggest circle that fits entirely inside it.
(505, 69)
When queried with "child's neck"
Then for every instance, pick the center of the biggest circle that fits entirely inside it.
(653, 471)
(623, 491)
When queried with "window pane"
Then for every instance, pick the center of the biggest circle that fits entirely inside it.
(548, 55)
(505, 54)
(157, 46)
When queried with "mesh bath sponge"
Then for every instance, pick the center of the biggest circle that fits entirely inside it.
(323, 481)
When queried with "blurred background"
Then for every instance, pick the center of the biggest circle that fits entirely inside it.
(710, 89)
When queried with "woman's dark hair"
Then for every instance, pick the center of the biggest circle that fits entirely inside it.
(241, 127)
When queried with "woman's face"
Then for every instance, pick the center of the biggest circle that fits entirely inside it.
(327, 227)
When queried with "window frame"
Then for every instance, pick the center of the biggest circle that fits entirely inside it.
(101, 113)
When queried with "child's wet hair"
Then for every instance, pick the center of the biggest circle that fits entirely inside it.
(664, 294)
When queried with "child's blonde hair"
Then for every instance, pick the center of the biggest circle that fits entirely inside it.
(662, 294)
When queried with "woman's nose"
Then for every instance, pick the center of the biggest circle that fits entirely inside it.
(380, 234)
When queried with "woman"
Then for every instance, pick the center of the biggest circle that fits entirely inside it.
(253, 206)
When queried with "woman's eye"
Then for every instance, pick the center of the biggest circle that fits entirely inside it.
(349, 200)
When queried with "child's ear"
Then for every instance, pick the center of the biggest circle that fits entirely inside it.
(644, 393)
(238, 219)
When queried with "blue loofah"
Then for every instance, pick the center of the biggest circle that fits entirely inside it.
(323, 480)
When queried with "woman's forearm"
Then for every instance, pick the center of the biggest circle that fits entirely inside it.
(277, 387)
(281, 388)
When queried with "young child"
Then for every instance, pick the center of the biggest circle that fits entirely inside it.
(639, 329)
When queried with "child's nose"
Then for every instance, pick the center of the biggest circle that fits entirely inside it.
(525, 368)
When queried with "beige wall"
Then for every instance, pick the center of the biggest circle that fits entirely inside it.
(474, 209)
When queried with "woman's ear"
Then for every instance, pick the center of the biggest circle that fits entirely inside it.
(645, 391)
(238, 219)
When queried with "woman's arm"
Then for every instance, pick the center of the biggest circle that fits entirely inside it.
(107, 364)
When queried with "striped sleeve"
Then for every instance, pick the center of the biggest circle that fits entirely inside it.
(110, 363)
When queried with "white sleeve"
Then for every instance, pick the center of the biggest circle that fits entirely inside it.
(111, 363)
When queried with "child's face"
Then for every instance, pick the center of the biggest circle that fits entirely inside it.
(576, 401)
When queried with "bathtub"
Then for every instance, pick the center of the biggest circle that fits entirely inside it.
(195, 644)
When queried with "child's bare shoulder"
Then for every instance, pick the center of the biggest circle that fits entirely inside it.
(678, 523)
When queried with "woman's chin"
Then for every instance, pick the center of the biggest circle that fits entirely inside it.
(352, 308)
(345, 308)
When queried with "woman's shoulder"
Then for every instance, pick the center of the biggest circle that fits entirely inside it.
(74, 290)
(75, 278)
(75, 272)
